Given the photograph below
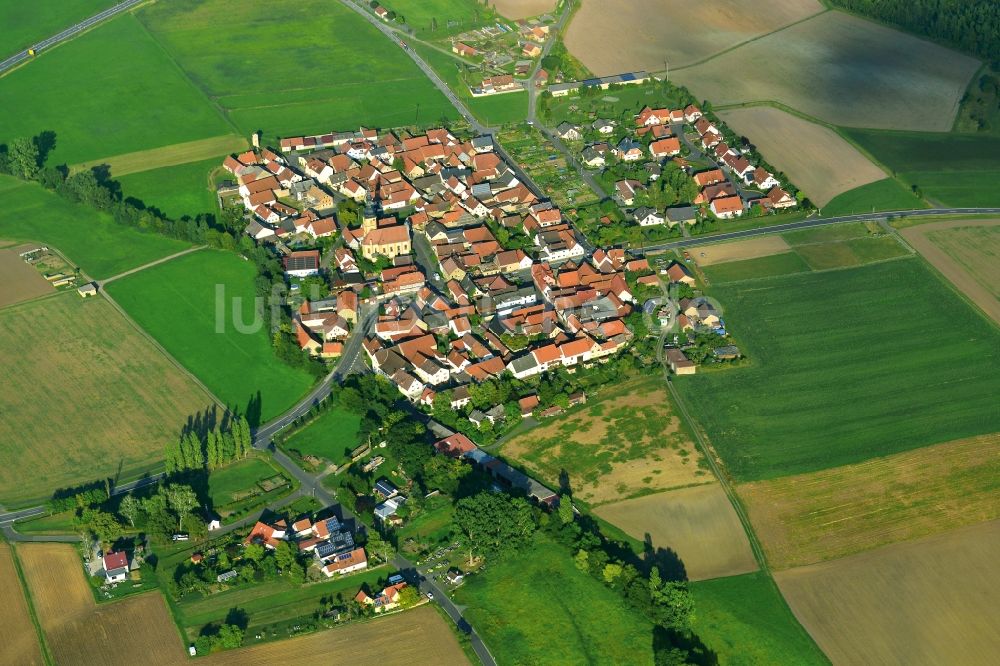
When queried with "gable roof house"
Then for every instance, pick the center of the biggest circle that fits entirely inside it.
(648, 217)
(302, 263)
(727, 207)
(568, 131)
(115, 567)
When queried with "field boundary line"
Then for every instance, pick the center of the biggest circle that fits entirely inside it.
(753, 39)
(29, 600)
(156, 262)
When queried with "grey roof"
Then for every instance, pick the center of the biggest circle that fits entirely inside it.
(484, 141)
(681, 213)
(523, 363)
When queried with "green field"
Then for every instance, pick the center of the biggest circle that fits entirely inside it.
(331, 436)
(430, 18)
(58, 523)
(536, 607)
(244, 475)
(887, 194)
(27, 23)
(91, 240)
(953, 169)
(849, 253)
(176, 190)
(176, 303)
(492, 110)
(744, 620)
(325, 68)
(110, 91)
(785, 263)
(268, 602)
(848, 365)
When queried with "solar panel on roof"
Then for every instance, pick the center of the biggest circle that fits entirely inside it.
(343, 556)
(628, 77)
(592, 82)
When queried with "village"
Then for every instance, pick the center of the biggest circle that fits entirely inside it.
(473, 275)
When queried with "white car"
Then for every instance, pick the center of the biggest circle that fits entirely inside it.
(430, 595)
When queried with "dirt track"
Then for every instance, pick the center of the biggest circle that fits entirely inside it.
(956, 273)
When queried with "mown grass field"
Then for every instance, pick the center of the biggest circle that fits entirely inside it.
(784, 263)
(25, 24)
(176, 303)
(338, 72)
(622, 444)
(536, 607)
(697, 523)
(176, 190)
(89, 239)
(88, 397)
(331, 436)
(885, 194)
(237, 477)
(431, 18)
(953, 169)
(77, 630)
(20, 639)
(848, 365)
(745, 621)
(823, 515)
(931, 601)
(213, 148)
(108, 92)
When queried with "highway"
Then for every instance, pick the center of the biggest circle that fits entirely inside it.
(72, 31)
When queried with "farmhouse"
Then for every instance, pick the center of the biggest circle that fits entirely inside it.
(679, 363)
(464, 50)
(115, 567)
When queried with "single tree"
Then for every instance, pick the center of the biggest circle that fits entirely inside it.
(182, 500)
(23, 158)
(130, 508)
(565, 509)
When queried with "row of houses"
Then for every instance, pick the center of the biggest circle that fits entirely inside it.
(329, 541)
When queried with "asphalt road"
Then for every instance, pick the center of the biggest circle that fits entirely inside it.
(72, 31)
(809, 223)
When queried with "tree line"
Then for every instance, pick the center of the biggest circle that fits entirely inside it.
(219, 447)
(969, 25)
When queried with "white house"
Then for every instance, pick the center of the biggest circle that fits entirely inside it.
(648, 217)
(115, 567)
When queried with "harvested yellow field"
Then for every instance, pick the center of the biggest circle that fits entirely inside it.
(698, 523)
(836, 512)
(967, 252)
(20, 280)
(519, 9)
(674, 33)
(752, 248)
(622, 444)
(419, 636)
(844, 70)
(18, 639)
(926, 602)
(137, 630)
(178, 153)
(816, 159)
(86, 396)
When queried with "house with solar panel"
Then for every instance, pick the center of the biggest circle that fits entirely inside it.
(345, 563)
(115, 567)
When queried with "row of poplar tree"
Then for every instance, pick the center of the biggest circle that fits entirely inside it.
(219, 447)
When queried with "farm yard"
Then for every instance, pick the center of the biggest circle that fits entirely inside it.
(818, 160)
(930, 601)
(828, 389)
(90, 239)
(18, 638)
(836, 512)
(744, 620)
(619, 445)
(536, 594)
(21, 281)
(176, 302)
(133, 630)
(27, 24)
(102, 92)
(949, 169)
(697, 523)
(304, 85)
(967, 253)
(844, 70)
(674, 33)
(177, 191)
(88, 398)
(419, 636)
